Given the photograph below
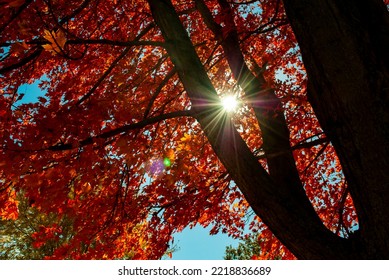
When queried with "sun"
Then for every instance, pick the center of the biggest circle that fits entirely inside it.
(230, 103)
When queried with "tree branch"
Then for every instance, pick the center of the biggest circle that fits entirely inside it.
(22, 62)
(316, 157)
(105, 74)
(122, 129)
(75, 12)
(15, 15)
(302, 145)
(114, 43)
(113, 65)
(169, 75)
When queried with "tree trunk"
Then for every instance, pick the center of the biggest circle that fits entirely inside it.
(344, 45)
(289, 215)
(267, 107)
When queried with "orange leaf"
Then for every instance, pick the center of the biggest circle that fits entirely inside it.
(57, 41)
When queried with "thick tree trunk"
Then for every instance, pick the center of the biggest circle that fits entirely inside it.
(345, 46)
(288, 214)
(275, 134)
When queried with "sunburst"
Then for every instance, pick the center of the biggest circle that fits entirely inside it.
(230, 103)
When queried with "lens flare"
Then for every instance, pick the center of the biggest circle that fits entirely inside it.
(167, 162)
(229, 103)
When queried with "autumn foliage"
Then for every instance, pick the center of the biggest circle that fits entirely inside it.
(115, 143)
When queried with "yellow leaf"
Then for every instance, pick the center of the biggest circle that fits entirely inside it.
(49, 48)
(57, 41)
(185, 138)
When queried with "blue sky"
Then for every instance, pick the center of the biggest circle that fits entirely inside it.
(31, 93)
(197, 244)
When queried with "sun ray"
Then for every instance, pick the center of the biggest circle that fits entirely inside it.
(230, 103)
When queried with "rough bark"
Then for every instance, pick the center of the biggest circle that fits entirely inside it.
(344, 46)
(288, 214)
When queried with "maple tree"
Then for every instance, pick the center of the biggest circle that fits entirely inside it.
(130, 140)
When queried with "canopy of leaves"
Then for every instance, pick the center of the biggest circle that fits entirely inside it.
(246, 250)
(113, 145)
(38, 235)
(33, 235)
